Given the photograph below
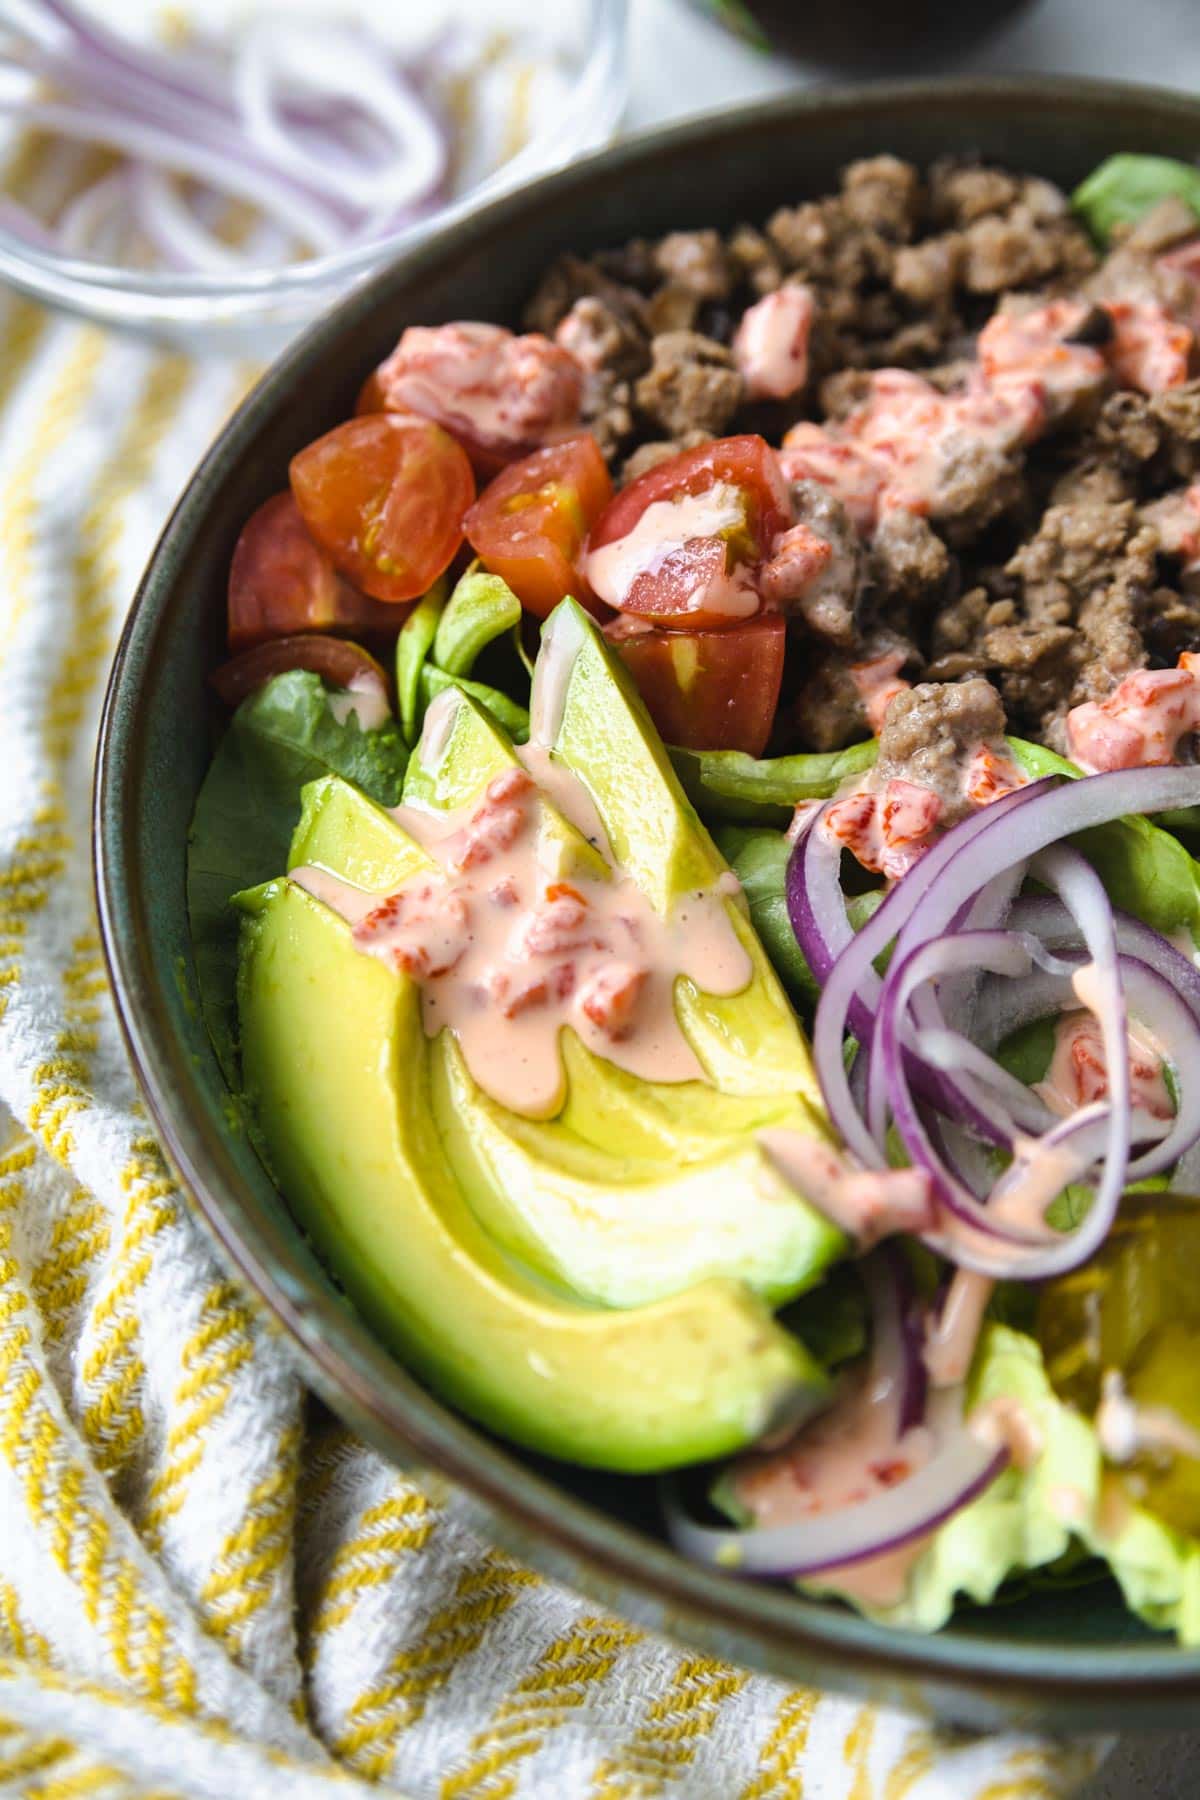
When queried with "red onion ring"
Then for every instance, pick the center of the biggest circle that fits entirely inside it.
(962, 1467)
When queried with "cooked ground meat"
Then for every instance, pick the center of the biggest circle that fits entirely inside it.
(660, 450)
(1026, 554)
(909, 561)
(691, 385)
(930, 733)
(829, 606)
(697, 261)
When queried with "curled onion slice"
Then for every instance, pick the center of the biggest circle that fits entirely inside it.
(962, 1466)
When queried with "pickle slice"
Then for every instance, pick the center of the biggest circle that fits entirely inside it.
(1135, 1308)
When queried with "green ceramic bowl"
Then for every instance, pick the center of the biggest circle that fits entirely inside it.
(1067, 1660)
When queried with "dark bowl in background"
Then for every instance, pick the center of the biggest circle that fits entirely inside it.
(1067, 1660)
(884, 36)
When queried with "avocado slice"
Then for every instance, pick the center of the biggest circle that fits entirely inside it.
(585, 1199)
(587, 714)
(620, 1229)
(336, 1066)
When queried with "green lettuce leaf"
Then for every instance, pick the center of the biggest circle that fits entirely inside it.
(1156, 1567)
(1049, 1516)
(728, 784)
(481, 609)
(246, 811)
(1018, 1523)
(1145, 870)
(759, 859)
(1124, 188)
(412, 648)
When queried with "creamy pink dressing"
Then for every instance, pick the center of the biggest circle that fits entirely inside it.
(1078, 1072)
(848, 1455)
(506, 953)
(1124, 1429)
(365, 699)
(1006, 1423)
(1143, 721)
(877, 683)
(902, 447)
(801, 563)
(889, 827)
(951, 1334)
(770, 346)
(899, 449)
(867, 1204)
(1034, 1179)
(496, 387)
(685, 522)
(886, 829)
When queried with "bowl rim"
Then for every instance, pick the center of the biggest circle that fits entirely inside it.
(1084, 1682)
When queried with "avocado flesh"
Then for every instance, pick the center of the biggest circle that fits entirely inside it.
(589, 715)
(580, 1199)
(336, 1066)
(620, 1229)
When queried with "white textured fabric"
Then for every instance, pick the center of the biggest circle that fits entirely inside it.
(207, 1588)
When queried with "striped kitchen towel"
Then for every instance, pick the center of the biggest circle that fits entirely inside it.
(206, 1588)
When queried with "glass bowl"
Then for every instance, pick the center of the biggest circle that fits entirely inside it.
(254, 309)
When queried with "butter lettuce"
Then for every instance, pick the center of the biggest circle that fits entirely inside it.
(1156, 1567)
(1064, 1507)
(1027, 1518)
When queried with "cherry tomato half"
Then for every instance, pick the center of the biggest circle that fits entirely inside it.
(501, 395)
(529, 525)
(281, 582)
(718, 510)
(709, 690)
(385, 495)
(335, 660)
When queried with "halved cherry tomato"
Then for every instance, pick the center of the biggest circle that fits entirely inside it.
(335, 660)
(708, 690)
(529, 525)
(281, 582)
(386, 496)
(501, 395)
(718, 510)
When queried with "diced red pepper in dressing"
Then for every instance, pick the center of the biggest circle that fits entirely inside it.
(1142, 722)
(878, 682)
(1150, 350)
(501, 395)
(887, 831)
(1078, 1072)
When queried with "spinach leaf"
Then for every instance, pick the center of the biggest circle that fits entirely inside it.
(412, 647)
(1145, 870)
(481, 608)
(728, 784)
(281, 737)
(759, 858)
(1124, 188)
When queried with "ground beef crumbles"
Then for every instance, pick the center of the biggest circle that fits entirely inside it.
(992, 432)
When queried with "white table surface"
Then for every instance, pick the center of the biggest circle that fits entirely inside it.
(682, 64)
